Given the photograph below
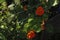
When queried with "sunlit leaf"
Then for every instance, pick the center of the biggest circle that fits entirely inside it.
(30, 19)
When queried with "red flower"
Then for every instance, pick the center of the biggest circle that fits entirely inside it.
(31, 35)
(40, 11)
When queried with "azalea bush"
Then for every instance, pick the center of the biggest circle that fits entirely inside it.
(21, 19)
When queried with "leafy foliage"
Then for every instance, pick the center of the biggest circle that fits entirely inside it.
(15, 22)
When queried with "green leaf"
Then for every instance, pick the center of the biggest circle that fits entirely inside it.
(17, 2)
(47, 4)
(50, 3)
(11, 6)
(45, 16)
(36, 27)
(2, 1)
(2, 37)
(9, 16)
(26, 26)
(30, 19)
(17, 25)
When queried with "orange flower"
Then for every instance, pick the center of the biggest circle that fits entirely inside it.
(31, 35)
(40, 11)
